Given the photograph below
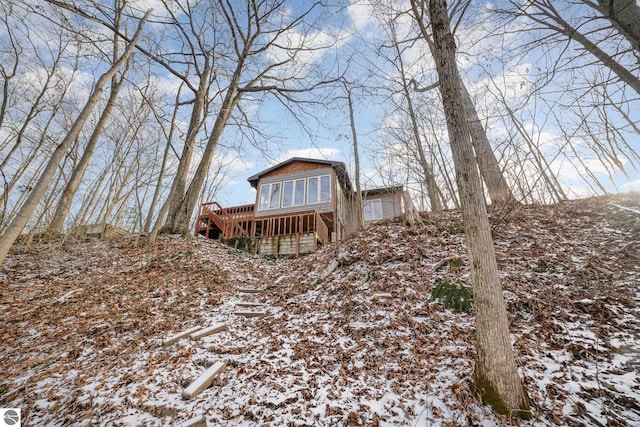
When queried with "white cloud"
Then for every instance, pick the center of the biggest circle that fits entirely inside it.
(300, 51)
(326, 153)
(361, 14)
(631, 185)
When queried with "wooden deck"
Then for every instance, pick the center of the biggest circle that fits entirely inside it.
(291, 234)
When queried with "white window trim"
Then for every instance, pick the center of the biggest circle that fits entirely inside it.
(304, 191)
(373, 211)
(319, 190)
(260, 206)
(268, 207)
(293, 193)
(294, 187)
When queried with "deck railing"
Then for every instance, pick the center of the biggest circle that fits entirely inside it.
(240, 221)
(298, 223)
(232, 221)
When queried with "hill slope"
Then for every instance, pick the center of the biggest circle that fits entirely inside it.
(350, 336)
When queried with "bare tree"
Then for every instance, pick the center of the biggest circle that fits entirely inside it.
(499, 191)
(72, 185)
(255, 30)
(624, 15)
(549, 17)
(22, 217)
(359, 210)
(495, 375)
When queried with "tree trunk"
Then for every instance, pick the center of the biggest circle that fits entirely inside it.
(495, 375)
(427, 168)
(70, 189)
(179, 219)
(179, 214)
(359, 211)
(24, 214)
(163, 166)
(198, 114)
(625, 17)
(64, 204)
(499, 191)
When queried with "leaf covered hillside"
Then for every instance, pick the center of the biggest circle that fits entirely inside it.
(349, 336)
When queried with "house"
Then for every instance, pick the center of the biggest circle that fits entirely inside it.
(383, 203)
(300, 204)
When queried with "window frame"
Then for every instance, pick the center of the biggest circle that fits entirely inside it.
(372, 203)
(269, 196)
(318, 192)
(279, 194)
(265, 206)
(304, 191)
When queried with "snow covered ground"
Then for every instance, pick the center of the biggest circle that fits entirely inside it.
(84, 324)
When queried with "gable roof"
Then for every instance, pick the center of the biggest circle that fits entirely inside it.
(339, 167)
(383, 190)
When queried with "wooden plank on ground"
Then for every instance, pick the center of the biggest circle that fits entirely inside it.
(249, 314)
(249, 304)
(213, 329)
(199, 421)
(168, 341)
(249, 291)
(203, 381)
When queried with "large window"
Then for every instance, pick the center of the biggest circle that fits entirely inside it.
(293, 193)
(274, 200)
(299, 192)
(270, 196)
(264, 196)
(319, 189)
(373, 210)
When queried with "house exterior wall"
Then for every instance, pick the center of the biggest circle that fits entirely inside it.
(343, 212)
(392, 204)
(298, 170)
(286, 245)
(295, 167)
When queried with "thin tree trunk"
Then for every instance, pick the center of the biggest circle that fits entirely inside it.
(541, 162)
(24, 214)
(359, 211)
(499, 191)
(70, 189)
(495, 375)
(427, 169)
(163, 166)
(198, 114)
(64, 205)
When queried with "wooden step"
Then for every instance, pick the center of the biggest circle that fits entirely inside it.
(213, 329)
(199, 421)
(249, 291)
(249, 304)
(169, 341)
(250, 314)
(203, 381)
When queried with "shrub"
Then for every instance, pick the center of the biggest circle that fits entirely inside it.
(455, 228)
(453, 296)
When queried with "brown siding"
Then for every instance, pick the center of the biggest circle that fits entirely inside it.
(293, 168)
